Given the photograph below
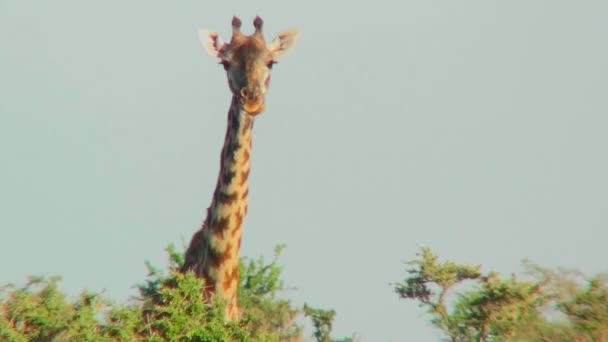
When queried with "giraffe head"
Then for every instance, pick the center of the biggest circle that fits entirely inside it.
(248, 61)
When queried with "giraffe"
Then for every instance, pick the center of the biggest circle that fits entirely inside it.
(213, 253)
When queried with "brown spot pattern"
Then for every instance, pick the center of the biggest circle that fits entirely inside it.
(245, 156)
(217, 258)
(213, 256)
(245, 193)
(244, 176)
(227, 176)
(237, 225)
(220, 224)
(229, 277)
(231, 145)
(226, 199)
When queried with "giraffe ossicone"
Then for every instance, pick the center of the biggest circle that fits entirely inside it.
(214, 250)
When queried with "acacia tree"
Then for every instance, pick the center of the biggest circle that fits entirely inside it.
(495, 308)
(169, 308)
(322, 320)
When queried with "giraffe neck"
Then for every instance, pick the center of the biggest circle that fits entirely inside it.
(214, 251)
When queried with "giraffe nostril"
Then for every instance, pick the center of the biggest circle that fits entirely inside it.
(249, 94)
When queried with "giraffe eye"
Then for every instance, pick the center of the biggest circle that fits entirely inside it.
(270, 64)
(226, 64)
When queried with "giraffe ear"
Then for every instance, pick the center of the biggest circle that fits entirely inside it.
(214, 45)
(283, 42)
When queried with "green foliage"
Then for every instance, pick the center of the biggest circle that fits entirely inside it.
(260, 282)
(178, 313)
(322, 321)
(493, 308)
(169, 308)
(587, 308)
(581, 305)
(430, 281)
(39, 311)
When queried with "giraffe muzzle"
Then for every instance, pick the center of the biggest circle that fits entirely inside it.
(252, 101)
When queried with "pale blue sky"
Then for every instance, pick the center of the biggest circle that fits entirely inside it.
(477, 128)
